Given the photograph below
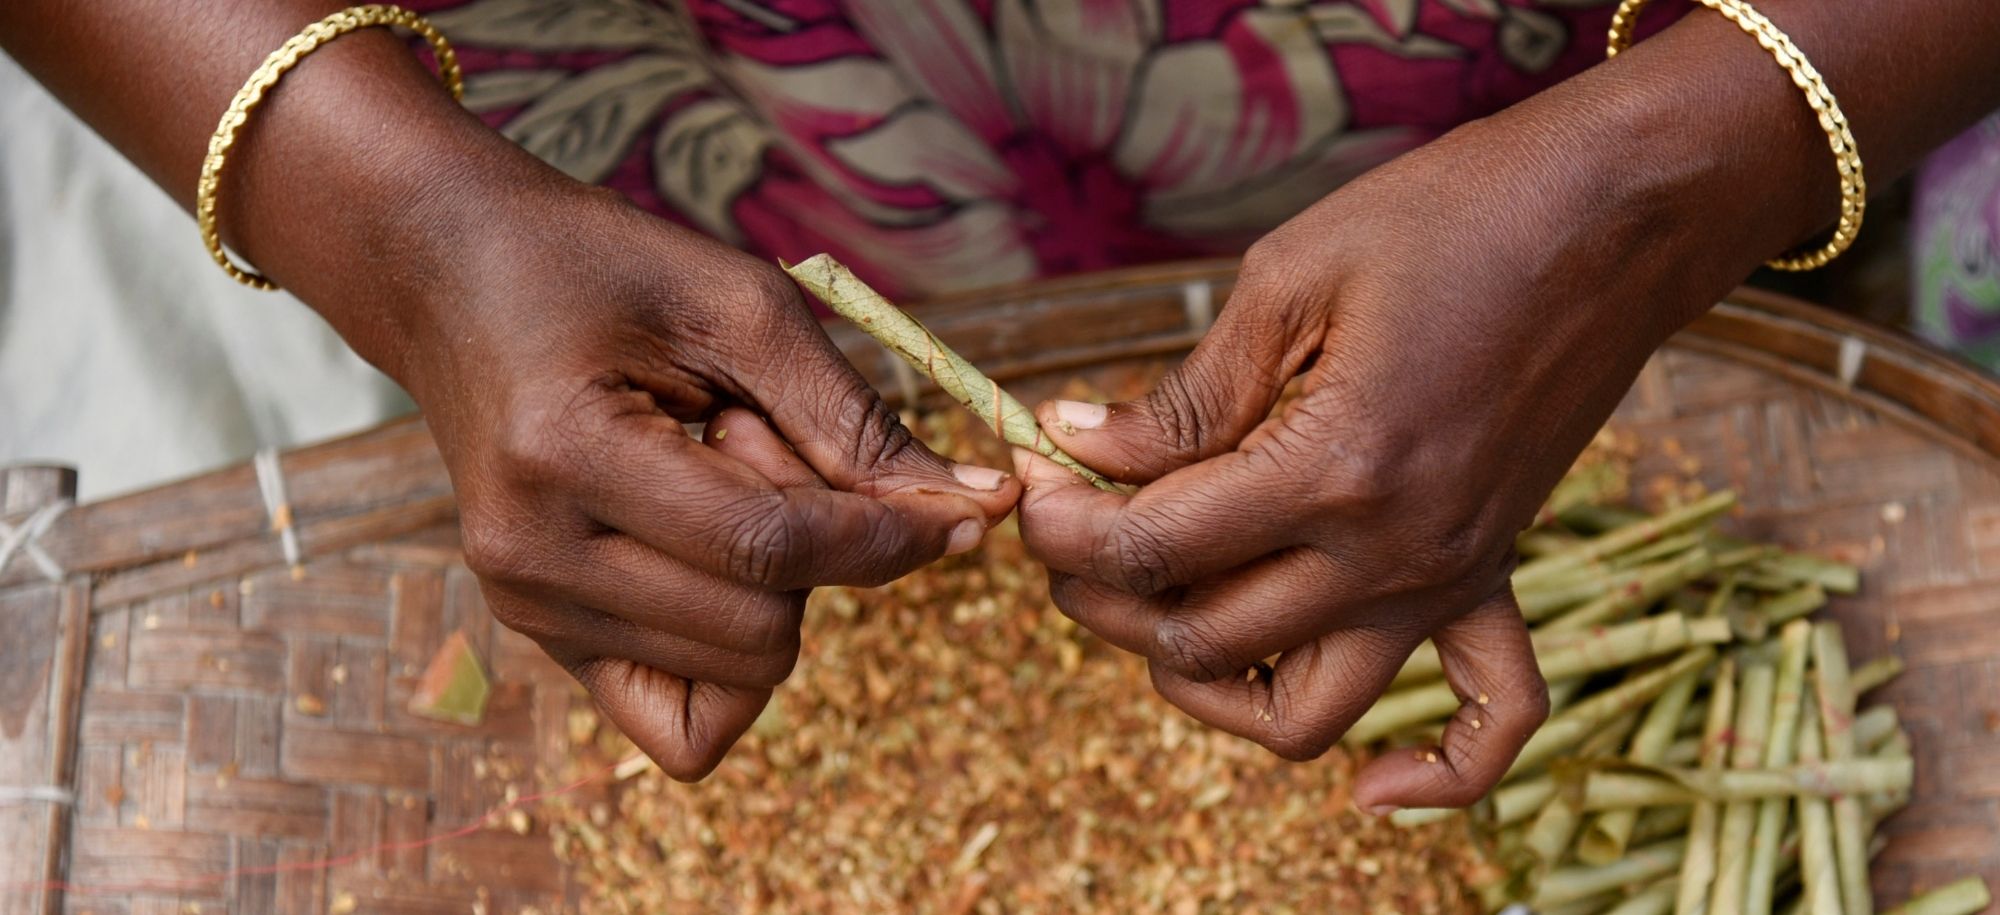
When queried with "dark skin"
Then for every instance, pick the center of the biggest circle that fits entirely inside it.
(556, 338)
(1464, 319)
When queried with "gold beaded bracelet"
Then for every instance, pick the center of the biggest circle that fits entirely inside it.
(1853, 187)
(267, 75)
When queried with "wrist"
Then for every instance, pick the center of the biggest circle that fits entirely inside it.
(361, 187)
(1681, 167)
(1717, 143)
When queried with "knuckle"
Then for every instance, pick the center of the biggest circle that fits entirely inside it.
(520, 617)
(698, 752)
(877, 576)
(877, 436)
(530, 447)
(1448, 791)
(691, 761)
(1193, 649)
(771, 290)
(547, 626)
(1462, 553)
(1467, 560)
(769, 625)
(498, 551)
(695, 762)
(880, 548)
(1297, 744)
(1361, 480)
(1136, 557)
(1176, 411)
(770, 308)
(607, 197)
(1071, 596)
(763, 543)
(1534, 702)
(1282, 276)
(766, 671)
(1275, 259)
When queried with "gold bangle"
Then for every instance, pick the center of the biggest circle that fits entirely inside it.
(1853, 187)
(267, 75)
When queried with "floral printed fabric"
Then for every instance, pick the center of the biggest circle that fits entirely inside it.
(945, 144)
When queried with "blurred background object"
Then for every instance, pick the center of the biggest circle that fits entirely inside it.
(123, 351)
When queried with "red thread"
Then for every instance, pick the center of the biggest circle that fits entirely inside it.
(167, 886)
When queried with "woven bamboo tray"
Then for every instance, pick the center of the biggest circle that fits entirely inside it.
(218, 722)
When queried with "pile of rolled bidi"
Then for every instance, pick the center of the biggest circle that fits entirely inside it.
(1704, 751)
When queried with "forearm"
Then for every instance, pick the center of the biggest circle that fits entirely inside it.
(352, 184)
(1701, 141)
(1909, 76)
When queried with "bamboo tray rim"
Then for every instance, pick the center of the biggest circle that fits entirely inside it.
(1903, 378)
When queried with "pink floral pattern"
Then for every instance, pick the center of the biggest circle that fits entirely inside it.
(943, 144)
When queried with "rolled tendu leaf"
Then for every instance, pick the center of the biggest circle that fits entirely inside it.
(1581, 486)
(1606, 838)
(1591, 652)
(1548, 837)
(1780, 571)
(1755, 623)
(1657, 823)
(1837, 577)
(1962, 897)
(1850, 828)
(1817, 869)
(1656, 581)
(1657, 899)
(1643, 865)
(1697, 872)
(1620, 539)
(1875, 673)
(1624, 785)
(1560, 591)
(901, 334)
(1794, 647)
(1756, 682)
(1875, 728)
(1663, 548)
(1571, 727)
(1425, 665)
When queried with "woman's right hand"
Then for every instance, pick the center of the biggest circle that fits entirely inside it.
(556, 367)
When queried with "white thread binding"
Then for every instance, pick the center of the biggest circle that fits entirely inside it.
(25, 540)
(29, 794)
(271, 484)
(1852, 352)
(1198, 301)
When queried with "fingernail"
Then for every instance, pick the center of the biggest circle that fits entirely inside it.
(965, 536)
(978, 477)
(1079, 415)
(1382, 810)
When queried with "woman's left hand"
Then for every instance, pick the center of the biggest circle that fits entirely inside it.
(1463, 319)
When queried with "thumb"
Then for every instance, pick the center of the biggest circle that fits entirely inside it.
(1203, 407)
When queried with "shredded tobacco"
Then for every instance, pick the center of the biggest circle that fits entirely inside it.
(952, 743)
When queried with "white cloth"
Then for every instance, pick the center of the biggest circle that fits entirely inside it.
(123, 350)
